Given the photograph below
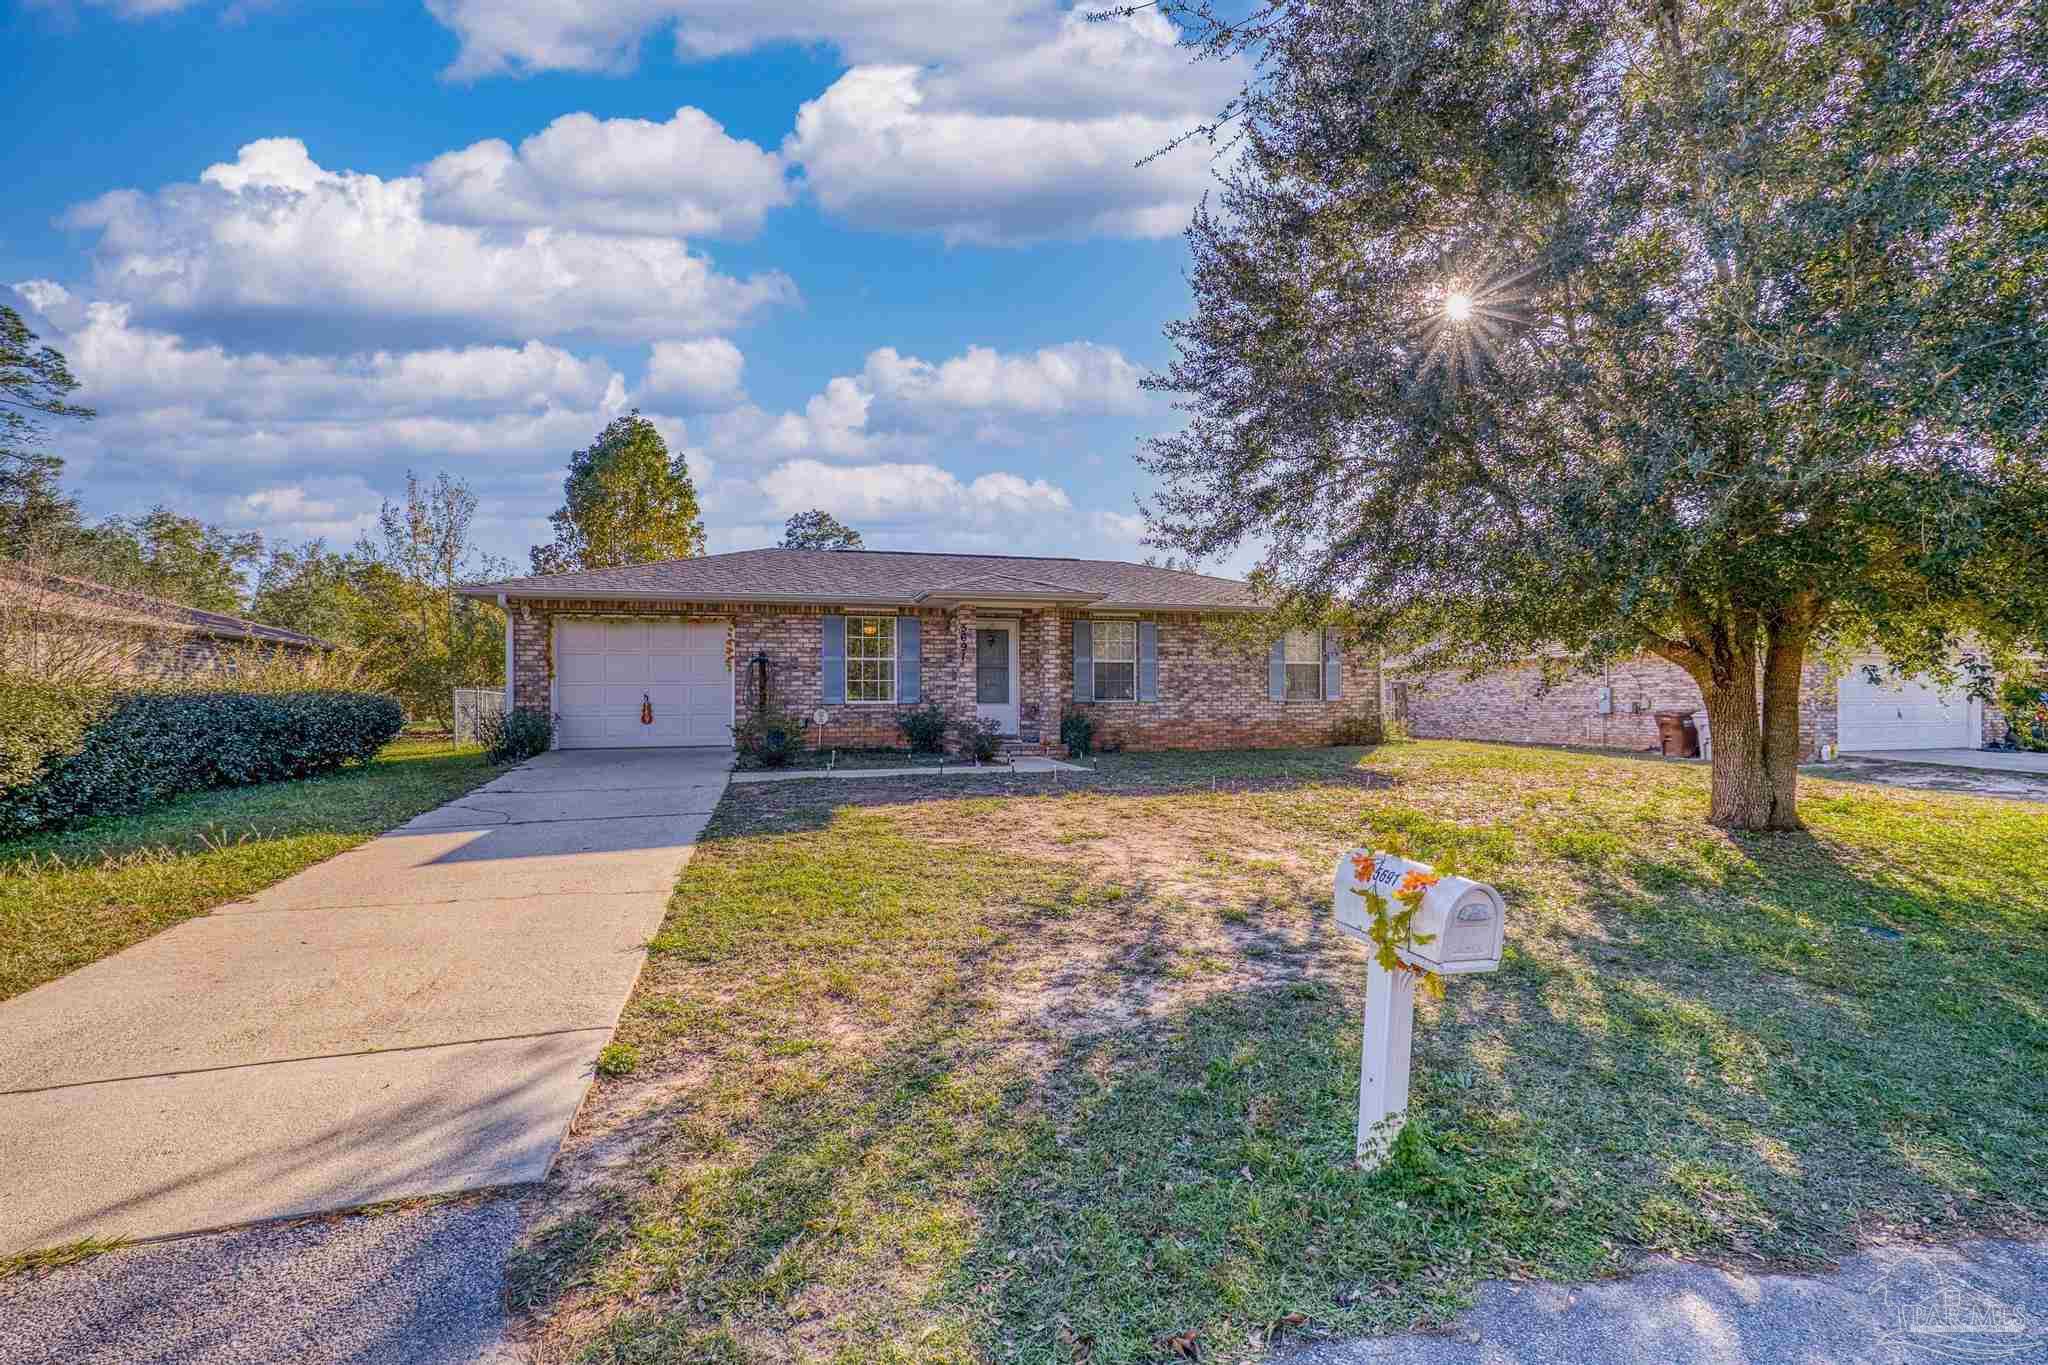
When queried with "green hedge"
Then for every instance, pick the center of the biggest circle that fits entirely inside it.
(69, 753)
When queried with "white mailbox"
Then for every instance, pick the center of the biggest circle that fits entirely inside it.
(1459, 927)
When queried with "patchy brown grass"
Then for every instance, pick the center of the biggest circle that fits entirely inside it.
(1047, 1069)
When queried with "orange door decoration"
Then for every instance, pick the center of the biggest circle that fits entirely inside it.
(646, 709)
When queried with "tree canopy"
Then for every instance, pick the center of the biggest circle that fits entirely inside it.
(625, 501)
(1711, 329)
(818, 529)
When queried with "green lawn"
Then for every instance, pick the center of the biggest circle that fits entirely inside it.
(932, 1071)
(69, 898)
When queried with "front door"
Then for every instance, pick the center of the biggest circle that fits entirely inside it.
(995, 675)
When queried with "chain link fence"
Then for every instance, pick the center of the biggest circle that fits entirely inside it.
(473, 706)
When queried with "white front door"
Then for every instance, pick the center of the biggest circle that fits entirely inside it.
(1901, 713)
(634, 684)
(995, 674)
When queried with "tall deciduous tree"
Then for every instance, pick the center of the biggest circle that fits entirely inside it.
(417, 636)
(312, 589)
(626, 501)
(818, 529)
(1711, 328)
(35, 385)
(166, 555)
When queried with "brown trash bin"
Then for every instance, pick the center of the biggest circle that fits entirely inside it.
(1677, 734)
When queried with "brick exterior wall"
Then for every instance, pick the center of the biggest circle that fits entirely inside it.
(1512, 705)
(1211, 697)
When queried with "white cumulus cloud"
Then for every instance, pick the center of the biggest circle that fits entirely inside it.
(1079, 376)
(575, 35)
(900, 404)
(876, 152)
(890, 495)
(704, 372)
(685, 177)
(273, 242)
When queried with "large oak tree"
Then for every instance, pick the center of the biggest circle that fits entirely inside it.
(1712, 329)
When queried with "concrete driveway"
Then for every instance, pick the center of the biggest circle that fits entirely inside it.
(416, 1016)
(1979, 772)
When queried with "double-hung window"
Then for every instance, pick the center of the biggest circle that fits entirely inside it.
(871, 658)
(1304, 665)
(1116, 661)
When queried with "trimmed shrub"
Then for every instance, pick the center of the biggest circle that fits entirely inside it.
(71, 753)
(1077, 732)
(770, 737)
(2025, 702)
(925, 728)
(516, 737)
(980, 739)
(1355, 730)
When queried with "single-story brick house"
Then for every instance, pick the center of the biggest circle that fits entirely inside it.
(1615, 708)
(51, 622)
(668, 653)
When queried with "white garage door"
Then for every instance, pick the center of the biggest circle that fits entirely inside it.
(1901, 714)
(608, 672)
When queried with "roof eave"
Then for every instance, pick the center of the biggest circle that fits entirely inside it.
(941, 598)
(491, 592)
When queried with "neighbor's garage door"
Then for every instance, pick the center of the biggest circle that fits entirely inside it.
(1896, 714)
(605, 672)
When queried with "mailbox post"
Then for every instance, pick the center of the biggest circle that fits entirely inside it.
(1459, 927)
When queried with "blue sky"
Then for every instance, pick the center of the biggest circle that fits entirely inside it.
(892, 259)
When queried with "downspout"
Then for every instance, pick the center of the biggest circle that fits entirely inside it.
(507, 609)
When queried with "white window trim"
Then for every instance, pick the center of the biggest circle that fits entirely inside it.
(846, 664)
(1097, 659)
(1313, 642)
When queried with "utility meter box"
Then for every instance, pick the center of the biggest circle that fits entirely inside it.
(1460, 926)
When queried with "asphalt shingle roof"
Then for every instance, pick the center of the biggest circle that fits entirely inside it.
(60, 592)
(887, 577)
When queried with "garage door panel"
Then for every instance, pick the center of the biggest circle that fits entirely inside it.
(625, 668)
(1894, 713)
(606, 670)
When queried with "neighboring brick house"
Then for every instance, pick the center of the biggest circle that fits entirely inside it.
(1615, 708)
(53, 623)
(669, 653)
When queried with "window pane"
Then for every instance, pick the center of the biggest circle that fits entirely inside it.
(871, 658)
(1115, 681)
(1304, 682)
(1304, 647)
(1116, 641)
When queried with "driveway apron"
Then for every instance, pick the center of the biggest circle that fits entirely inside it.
(416, 1016)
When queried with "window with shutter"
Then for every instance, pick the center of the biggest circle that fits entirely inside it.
(1304, 665)
(871, 658)
(1116, 661)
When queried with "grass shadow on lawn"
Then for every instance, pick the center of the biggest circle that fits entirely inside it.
(950, 1088)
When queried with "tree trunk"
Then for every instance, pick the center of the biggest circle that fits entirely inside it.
(1742, 792)
(1754, 731)
(1784, 663)
(1756, 738)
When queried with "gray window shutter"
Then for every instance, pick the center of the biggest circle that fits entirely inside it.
(1333, 667)
(833, 668)
(1276, 670)
(1148, 661)
(909, 660)
(1084, 661)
